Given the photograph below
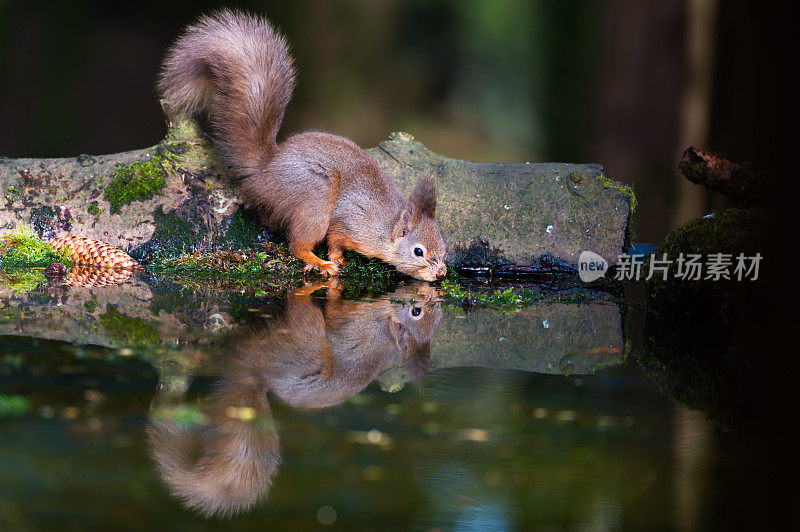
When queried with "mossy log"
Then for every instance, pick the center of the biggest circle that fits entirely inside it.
(176, 197)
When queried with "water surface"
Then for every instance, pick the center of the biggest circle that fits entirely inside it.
(141, 405)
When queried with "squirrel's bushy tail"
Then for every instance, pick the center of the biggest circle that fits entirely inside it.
(238, 69)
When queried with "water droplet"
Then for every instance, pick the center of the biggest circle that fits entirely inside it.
(549, 229)
(566, 415)
(374, 436)
(326, 515)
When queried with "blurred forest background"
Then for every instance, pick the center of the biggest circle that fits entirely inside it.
(628, 84)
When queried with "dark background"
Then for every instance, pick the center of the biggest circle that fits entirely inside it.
(628, 84)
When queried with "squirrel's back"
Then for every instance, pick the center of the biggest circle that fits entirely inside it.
(237, 68)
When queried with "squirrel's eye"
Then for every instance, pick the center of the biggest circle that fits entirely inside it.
(418, 252)
(416, 311)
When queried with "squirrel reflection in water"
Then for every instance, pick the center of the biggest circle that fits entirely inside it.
(314, 356)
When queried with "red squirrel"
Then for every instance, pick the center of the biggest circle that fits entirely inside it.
(315, 185)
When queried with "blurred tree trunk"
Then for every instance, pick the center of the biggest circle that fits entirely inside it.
(701, 18)
(638, 101)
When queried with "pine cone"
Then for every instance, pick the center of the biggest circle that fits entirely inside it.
(94, 253)
(89, 276)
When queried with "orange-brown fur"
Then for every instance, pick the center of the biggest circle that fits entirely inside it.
(314, 184)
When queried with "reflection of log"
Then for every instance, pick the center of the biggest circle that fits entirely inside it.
(122, 315)
(176, 197)
(551, 338)
(545, 338)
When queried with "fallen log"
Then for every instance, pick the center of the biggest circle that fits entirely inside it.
(176, 197)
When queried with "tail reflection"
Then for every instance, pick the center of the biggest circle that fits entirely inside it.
(221, 461)
(219, 456)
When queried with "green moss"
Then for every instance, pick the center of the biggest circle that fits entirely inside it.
(272, 258)
(12, 194)
(90, 306)
(363, 276)
(731, 232)
(13, 406)
(182, 129)
(243, 230)
(453, 291)
(269, 270)
(23, 249)
(627, 190)
(173, 236)
(612, 362)
(512, 298)
(21, 279)
(619, 187)
(137, 181)
(94, 209)
(171, 149)
(725, 232)
(125, 330)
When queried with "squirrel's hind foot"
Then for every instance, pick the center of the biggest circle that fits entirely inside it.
(337, 258)
(303, 252)
(325, 267)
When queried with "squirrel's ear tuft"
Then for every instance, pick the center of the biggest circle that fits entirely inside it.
(423, 197)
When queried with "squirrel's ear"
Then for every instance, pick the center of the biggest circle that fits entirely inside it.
(423, 197)
(403, 224)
